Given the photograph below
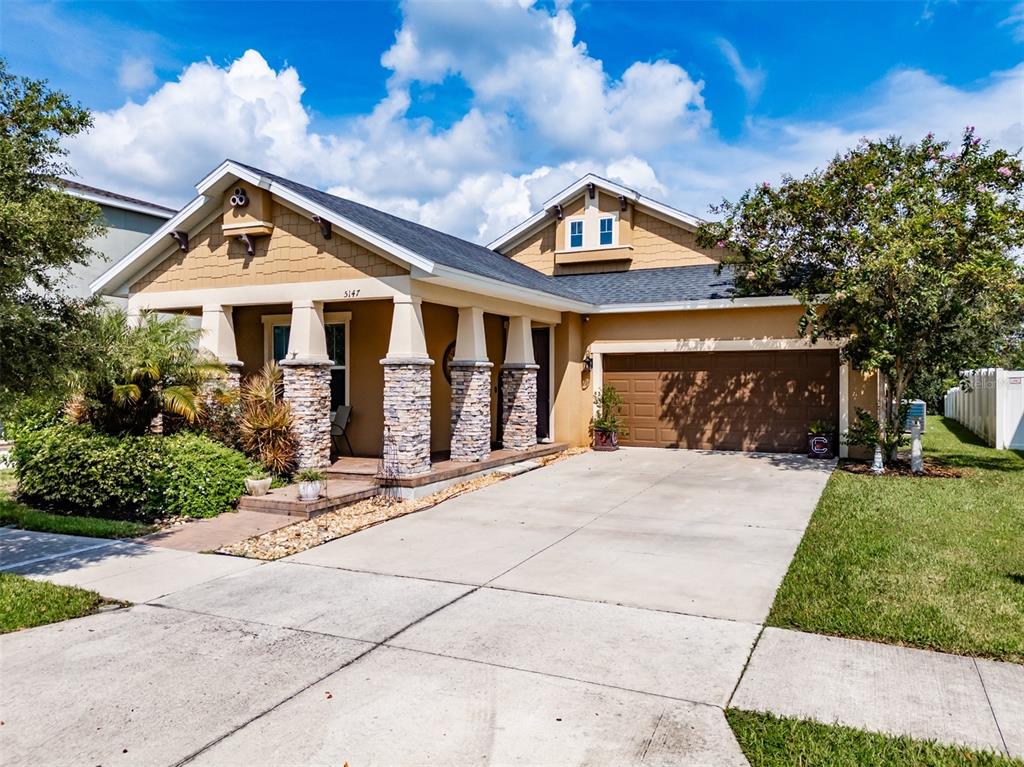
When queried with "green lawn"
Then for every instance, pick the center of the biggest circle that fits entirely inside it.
(17, 515)
(769, 741)
(934, 563)
(25, 603)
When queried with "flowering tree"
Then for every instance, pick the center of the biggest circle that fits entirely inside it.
(904, 252)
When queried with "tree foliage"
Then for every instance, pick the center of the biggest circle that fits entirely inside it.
(146, 370)
(903, 251)
(43, 233)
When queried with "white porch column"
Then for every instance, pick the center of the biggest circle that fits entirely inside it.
(307, 384)
(406, 448)
(519, 387)
(218, 339)
(471, 389)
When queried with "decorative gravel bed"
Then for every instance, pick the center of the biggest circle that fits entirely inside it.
(350, 519)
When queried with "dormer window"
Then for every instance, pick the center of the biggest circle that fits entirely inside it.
(607, 231)
(576, 233)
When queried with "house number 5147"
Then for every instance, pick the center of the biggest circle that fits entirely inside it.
(351, 293)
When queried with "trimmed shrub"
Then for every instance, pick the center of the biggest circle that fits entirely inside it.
(72, 469)
(201, 478)
(75, 470)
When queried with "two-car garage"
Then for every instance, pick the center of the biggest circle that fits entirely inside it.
(725, 400)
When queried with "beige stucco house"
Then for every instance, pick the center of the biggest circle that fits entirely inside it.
(443, 346)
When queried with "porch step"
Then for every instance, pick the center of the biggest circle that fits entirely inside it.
(285, 500)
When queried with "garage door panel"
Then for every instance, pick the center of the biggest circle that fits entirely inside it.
(725, 400)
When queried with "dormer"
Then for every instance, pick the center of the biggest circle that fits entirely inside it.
(597, 225)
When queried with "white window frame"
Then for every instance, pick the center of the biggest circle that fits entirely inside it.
(270, 321)
(568, 233)
(615, 238)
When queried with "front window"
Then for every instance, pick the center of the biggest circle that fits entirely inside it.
(575, 234)
(607, 231)
(336, 333)
(281, 336)
(336, 351)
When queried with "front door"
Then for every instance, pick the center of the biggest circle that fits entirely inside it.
(542, 354)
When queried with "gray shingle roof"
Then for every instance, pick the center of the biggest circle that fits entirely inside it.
(69, 184)
(436, 246)
(681, 283)
(650, 286)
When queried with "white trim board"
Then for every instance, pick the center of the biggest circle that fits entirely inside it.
(134, 207)
(598, 349)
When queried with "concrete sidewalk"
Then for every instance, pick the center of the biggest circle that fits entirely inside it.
(888, 689)
(124, 570)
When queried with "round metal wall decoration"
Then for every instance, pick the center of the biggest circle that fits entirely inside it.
(239, 198)
(446, 362)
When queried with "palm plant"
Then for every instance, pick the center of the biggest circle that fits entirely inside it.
(265, 423)
(147, 369)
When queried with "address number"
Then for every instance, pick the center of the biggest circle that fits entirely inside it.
(351, 293)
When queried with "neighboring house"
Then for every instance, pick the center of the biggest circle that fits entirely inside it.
(449, 346)
(129, 222)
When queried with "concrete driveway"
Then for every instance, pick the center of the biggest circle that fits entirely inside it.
(597, 611)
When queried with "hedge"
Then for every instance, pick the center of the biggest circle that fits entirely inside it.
(77, 470)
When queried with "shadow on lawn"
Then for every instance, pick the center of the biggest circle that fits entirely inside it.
(990, 460)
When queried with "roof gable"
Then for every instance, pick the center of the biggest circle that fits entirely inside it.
(547, 212)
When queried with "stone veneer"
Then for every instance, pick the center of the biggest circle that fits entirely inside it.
(307, 389)
(471, 410)
(519, 406)
(407, 415)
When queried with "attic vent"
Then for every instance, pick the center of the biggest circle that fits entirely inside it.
(239, 198)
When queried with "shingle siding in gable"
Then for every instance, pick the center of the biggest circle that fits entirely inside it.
(659, 243)
(295, 252)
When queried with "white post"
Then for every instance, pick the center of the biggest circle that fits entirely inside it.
(307, 342)
(408, 339)
(218, 334)
(916, 454)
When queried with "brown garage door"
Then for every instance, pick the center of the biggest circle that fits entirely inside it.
(725, 400)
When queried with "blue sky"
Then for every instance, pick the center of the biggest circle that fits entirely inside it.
(467, 115)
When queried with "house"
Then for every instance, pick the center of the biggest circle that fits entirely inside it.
(444, 346)
(128, 222)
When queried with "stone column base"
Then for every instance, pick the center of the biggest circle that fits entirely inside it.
(406, 416)
(519, 405)
(471, 410)
(307, 389)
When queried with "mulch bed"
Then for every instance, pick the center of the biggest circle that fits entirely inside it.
(901, 468)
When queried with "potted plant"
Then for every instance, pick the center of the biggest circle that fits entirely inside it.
(607, 424)
(311, 484)
(258, 483)
(821, 439)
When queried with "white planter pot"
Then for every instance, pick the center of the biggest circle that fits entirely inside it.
(258, 486)
(310, 491)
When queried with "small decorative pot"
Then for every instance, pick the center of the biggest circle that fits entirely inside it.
(606, 440)
(310, 491)
(257, 486)
(821, 445)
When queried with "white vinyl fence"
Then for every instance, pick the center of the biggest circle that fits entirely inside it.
(990, 402)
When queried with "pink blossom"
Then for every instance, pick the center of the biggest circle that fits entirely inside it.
(720, 244)
(870, 187)
(750, 275)
(1004, 171)
(765, 185)
(969, 129)
(980, 188)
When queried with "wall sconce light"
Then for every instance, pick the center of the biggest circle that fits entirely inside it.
(588, 362)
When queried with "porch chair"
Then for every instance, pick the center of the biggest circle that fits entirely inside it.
(341, 418)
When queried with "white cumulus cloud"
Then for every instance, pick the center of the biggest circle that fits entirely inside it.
(543, 111)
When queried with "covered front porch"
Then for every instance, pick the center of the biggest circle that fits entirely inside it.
(429, 386)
